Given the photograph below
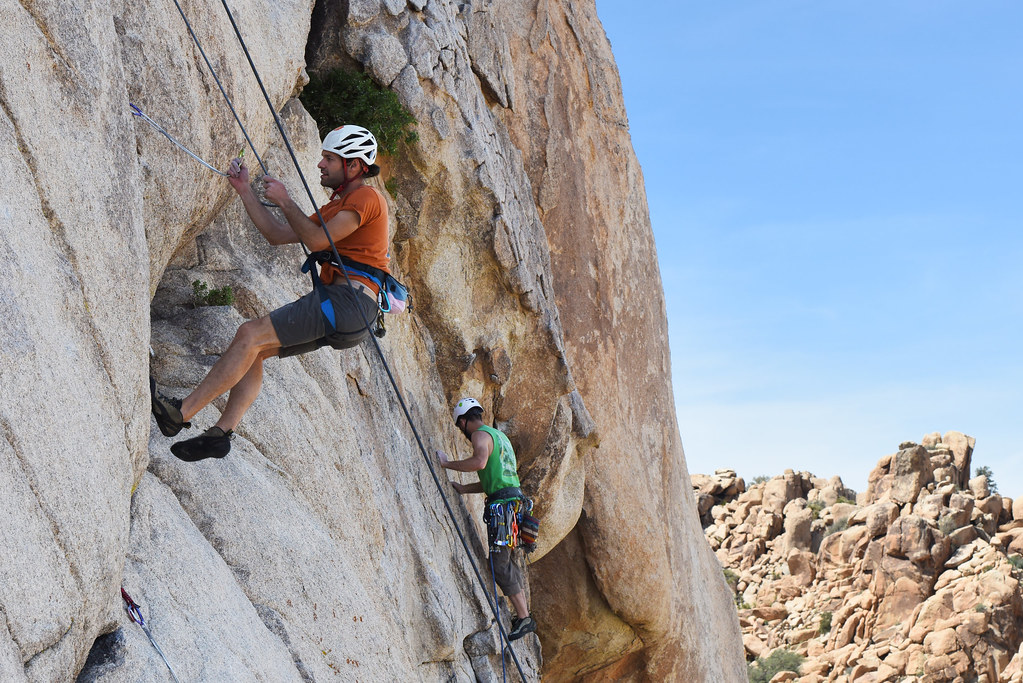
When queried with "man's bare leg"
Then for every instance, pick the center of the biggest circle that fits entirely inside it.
(518, 601)
(244, 393)
(252, 340)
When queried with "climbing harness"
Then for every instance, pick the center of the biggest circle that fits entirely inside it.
(510, 524)
(392, 296)
(502, 525)
(135, 613)
(494, 606)
(137, 111)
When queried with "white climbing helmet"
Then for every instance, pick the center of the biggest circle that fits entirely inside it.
(464, 406)
(352, 142)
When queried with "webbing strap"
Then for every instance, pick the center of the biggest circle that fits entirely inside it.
(135, 614)
(325, 304)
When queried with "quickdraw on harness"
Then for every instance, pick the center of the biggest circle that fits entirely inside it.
(392, 296)
(135, 614)
(510, 524)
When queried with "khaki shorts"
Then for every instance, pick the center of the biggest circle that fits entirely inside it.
(301, 326)
(506, 572)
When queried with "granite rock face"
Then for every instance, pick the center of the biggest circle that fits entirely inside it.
(319, 548)
(891, 589)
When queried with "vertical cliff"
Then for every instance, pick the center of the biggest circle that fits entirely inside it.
(319, 549)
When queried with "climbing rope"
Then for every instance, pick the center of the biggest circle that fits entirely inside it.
(209, 65)
(135, 614)
(500, 634)
(494, 606)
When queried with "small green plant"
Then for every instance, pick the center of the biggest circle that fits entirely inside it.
(981, 607)
(1016, 561)
(815, 508)
(985, 471)
(839, 525)
(947, 525)
(731, 578)
(843, 499)
(760, 479)
(202, 295)
(825, 625)
(391, 185)
(763, 670)
(339, 97)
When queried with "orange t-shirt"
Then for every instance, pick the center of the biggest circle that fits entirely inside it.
(368, 243)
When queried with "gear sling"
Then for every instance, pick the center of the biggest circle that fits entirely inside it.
(392, 296)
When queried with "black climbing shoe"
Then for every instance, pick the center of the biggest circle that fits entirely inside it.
(167, 411)
(213, 443)
(521, 627)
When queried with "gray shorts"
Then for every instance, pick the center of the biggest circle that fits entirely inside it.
(506, 572)
(301, 326)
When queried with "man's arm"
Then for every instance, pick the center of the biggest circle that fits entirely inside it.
(340, 226)
(298, 226)
(482, 445)
(275, 231)
(475, 487)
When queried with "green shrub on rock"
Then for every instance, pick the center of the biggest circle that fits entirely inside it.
(202, 295)
(763, 670)
(340, 97)
(825, 625)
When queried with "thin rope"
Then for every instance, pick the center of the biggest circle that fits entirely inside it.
(376, 344)
(137, 111)
(230, 104)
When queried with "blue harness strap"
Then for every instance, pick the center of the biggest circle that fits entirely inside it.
(325, 304)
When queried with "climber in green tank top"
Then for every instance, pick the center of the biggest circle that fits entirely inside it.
(501, 470)
(493, 460)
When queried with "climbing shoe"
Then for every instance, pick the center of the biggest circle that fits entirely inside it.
(521, 627)
(213, 443)
(167, 411)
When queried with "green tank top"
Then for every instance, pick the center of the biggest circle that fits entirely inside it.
(501, 470)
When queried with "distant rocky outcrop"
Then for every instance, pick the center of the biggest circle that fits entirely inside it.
(917, 578)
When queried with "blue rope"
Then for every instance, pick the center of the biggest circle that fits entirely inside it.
(500, 632)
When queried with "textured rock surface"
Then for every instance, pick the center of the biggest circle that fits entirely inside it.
(894, 593)
(319, 548)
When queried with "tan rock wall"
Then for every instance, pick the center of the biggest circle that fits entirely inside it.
(319, 548)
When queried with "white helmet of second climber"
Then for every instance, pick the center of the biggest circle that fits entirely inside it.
(352, 142)
(464, 406)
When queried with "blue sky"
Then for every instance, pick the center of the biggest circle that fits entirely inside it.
(836, 191)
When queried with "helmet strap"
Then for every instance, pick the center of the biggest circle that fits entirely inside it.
(340, 190)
